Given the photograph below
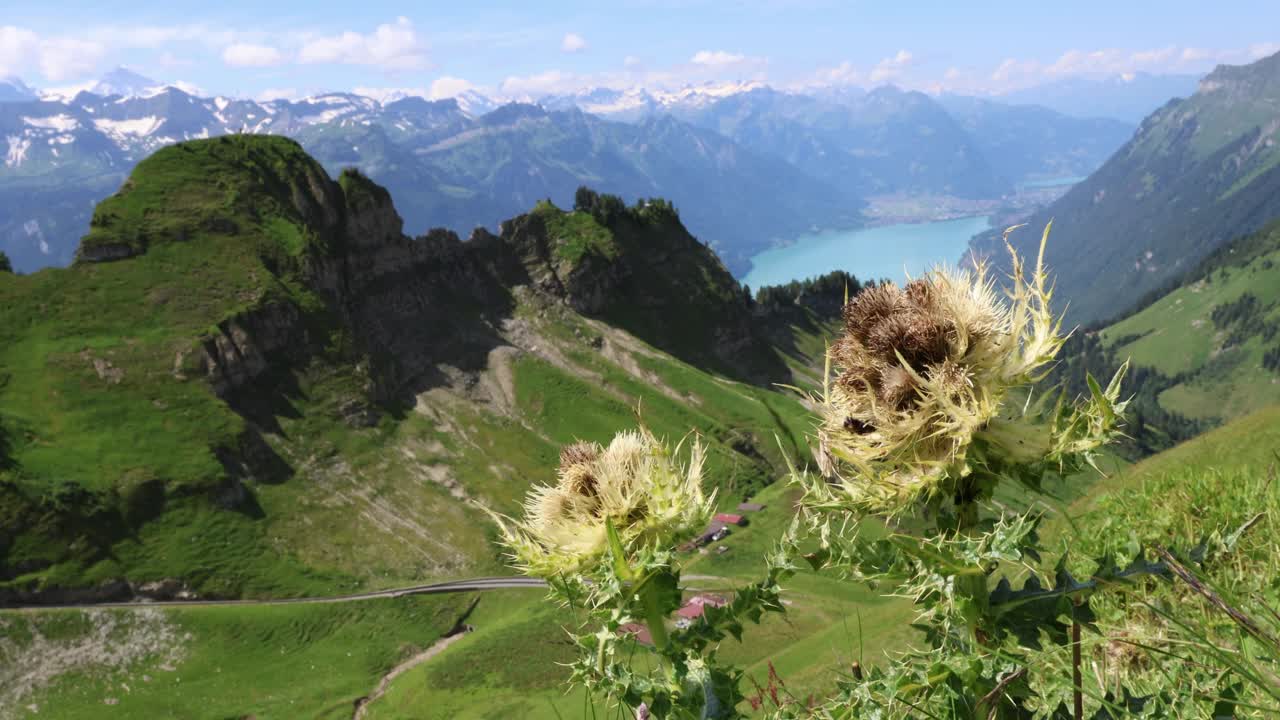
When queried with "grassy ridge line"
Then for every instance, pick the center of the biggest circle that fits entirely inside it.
(1204, 352)
(1249, 442)
(1218, 360)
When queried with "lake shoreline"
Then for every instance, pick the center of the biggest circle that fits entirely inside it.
(870, 251)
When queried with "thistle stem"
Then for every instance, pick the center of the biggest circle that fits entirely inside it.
(1077, 678)
(654, 617)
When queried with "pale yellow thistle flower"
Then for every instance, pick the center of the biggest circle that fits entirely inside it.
(921, 374)
(634, 482)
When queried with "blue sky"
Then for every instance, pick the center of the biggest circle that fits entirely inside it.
(286, 47)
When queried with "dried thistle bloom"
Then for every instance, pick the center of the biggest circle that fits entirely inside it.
(635, 482)
(921, 376)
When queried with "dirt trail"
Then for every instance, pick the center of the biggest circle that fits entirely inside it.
(459, 630)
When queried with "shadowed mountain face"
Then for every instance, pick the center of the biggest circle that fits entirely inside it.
(240, 333)
(1197, 173)
(885, 141)
(1028, 142)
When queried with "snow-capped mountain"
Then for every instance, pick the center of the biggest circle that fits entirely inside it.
(475, 103)
(446, 165)
(633, 104)
(12, 89)
(472, 159)
(124, 82)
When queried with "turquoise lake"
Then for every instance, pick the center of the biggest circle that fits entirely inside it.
(1054, 182)
(892, 251)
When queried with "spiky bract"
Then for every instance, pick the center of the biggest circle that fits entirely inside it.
(920, 374)
(635, 483)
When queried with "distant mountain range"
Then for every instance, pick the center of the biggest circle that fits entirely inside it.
(1129, 97)
(1197, 173)
(13, 89)
(747, 165)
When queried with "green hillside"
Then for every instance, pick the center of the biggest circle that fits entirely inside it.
(317, 661)
(1204, 351)
(1197, 173)
(247, 352)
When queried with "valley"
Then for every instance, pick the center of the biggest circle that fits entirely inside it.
(311, 401)
(460, 163)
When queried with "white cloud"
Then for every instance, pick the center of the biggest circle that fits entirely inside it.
(169, 60)
(57, 58)
(891, 68)
(17, 46)
(572, 43)
(1170, 59)
(1013, 71)
(631, 62)
(545, 83)
(843, 74)
(717, 58)
(1261, 50)
(392, 46)
(62, 58)
(447, 87)
(250, 55)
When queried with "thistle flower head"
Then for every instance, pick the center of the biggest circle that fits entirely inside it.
(635, 483)
(920, 373)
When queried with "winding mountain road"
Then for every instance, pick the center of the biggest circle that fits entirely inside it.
(452, 586)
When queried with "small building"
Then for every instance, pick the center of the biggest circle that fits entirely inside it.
(686, 615)
(695, 607)
(715, 531)
(730, 519)
(750, 507)
(690, 612)
(638, 631)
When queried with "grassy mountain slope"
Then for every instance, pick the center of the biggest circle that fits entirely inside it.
(1197, 173)
(830, 621)
(1204, 351)
(248, 352)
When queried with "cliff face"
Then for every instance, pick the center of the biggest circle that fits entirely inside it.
(231, 290)
(414, 304)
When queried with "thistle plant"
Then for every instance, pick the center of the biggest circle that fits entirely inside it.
(633, 485)
(604, 537)
(918, 410)
(928, 408)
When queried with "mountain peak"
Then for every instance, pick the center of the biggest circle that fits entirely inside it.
(270, 179)
(12, 89)
(1254, 77)
(123, 81)
(513, 112)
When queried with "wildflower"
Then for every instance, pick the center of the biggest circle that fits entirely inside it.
(922, 375)
(634, 483)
